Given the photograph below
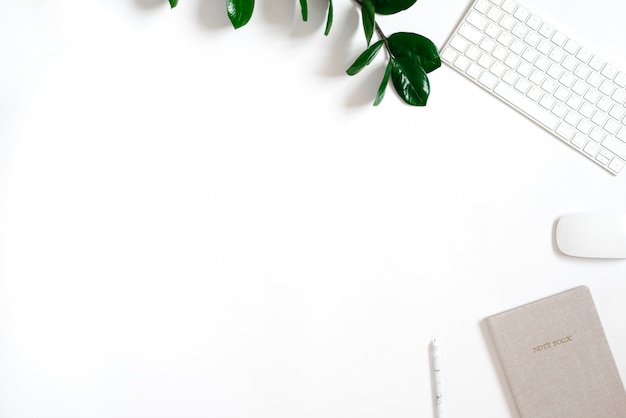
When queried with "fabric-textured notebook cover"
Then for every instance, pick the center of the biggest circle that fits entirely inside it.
(557, 359)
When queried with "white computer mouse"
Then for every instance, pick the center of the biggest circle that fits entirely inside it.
(596, 235)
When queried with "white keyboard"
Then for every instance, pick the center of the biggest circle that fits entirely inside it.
(537, 69)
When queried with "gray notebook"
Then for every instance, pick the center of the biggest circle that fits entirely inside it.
(557, 359)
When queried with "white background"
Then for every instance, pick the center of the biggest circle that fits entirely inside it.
(203, 222)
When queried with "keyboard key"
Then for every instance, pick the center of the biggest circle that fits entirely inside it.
(522, 85)
(584, 55)
(580, 87)
(488, 80)
(556, 55)
(574, 102)
(620, 79)
(492, 30)
(567, 79)
(611, 126)
(602, 159)
(555, 71)
(520, 30)
(459, 43)
(584, 126)
(579, 141)
(509, 78)
(544, 47)
(582, 71)
(487, 44)
(565, 131)
(517, 47)
(562, 93)
(509, 6)
(470, 33)
(617, 112)
(595, 79)
(607, 87)
(534, 22)
(549, 85)
(571, 46)
(572, 118)
(547, 102)
(559, 109)
(512, 61)
(596, 63)
(524, 69)
(499, 52)
(599, 118)
(494, 14)
(616, 165)
(546, 30)
(507, 22)
(586, 110)
(609, 71)
(485, 61)
(505, 38)
(482, 6)
(474, 71)
(597, 134)
(497, 69)
(542, 63)
(472, 53)
(532, 38)
(592, 96)
(530, 55)
(605, 104)
(619, 96)
(592, 148)
(461, 63)
(559, 38)
(569, 63)
(521, 14)
(477, 20)
(615, 145)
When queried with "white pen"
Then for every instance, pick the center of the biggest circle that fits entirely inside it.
(437, 378)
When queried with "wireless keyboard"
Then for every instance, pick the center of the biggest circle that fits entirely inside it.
(537, 69)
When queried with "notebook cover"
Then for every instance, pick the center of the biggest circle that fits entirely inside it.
(557, 359)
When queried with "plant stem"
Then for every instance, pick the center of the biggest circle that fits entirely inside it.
(379, 31)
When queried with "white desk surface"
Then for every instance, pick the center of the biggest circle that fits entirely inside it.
(202, 222)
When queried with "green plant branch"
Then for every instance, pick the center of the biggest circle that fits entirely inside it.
(410, 56)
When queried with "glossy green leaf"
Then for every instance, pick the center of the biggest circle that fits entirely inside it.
(417, 47)
(367, 16)
(239, 11)
(173, 3)
(365, 58)
(383, 85)
(389, 7)
(305, 10)
(329, 18)
(410, 80)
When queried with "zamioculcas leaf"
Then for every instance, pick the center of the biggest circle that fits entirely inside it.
(383, 85)
(389, 7)
(239, 11)
(329, 17)
(367, 15)
(305, 10)
(410, 81)
(417, 47)
(365, 58)
(173, 3)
